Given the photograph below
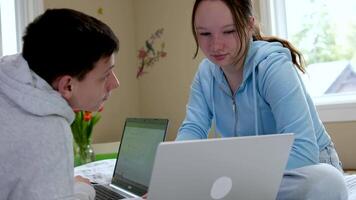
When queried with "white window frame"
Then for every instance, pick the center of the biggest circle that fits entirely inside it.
(333, 108)
(25, 12)
(0, 38)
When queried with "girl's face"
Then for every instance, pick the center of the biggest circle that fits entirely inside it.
(216, 33)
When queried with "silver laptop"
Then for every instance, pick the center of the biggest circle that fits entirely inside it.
(136, 154)
(228, 168)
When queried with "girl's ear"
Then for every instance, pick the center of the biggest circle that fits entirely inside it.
(251, 23)
(64, 85)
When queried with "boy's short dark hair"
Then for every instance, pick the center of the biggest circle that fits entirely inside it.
(66, 42)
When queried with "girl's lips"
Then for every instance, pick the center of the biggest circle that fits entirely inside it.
(219, 57)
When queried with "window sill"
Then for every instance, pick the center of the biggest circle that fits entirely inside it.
(338, 108)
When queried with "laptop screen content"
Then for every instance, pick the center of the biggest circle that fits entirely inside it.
(137, 152)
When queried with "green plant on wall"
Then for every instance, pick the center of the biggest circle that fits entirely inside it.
(148, 55)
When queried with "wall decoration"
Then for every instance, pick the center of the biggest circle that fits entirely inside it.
(148, 55)
(100, 11)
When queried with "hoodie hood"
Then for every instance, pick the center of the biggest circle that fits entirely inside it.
(258, 51)
(29, 91)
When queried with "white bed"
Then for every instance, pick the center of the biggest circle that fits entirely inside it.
(101, 172)
(351, 186)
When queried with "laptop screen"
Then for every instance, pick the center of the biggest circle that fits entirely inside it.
(137, 151)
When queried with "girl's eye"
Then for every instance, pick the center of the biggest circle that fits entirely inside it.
(229, 31)
(204, 33)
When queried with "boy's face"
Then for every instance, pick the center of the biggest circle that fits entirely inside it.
(90, 93)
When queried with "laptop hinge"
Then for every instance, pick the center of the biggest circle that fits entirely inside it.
(123, 192)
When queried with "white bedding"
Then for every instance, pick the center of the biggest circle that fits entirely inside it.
(351, 186)
(101, 172)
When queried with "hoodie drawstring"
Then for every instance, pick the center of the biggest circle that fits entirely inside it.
(255, 101)
(213, 105)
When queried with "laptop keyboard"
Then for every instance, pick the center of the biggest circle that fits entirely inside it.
(103, 193)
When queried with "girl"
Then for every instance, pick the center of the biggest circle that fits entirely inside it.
(249, 85)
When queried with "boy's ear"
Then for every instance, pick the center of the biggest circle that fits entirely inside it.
(64, 85)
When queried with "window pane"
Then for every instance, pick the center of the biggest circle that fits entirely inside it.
(8, 27)
(325, 30)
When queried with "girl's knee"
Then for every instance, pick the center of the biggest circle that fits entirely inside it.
(323, 181)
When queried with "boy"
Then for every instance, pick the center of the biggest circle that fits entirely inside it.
(66, 63)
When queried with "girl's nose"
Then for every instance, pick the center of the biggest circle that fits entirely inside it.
(216, 44)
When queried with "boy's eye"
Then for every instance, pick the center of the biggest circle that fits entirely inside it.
(106, 76)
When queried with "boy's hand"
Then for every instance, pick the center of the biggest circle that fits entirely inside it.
(81, 179)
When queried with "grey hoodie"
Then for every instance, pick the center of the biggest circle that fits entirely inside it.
(36, 153)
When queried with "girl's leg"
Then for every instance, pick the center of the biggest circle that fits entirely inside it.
(321, 181)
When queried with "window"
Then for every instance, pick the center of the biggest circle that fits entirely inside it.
(14, 17)
(8, 27)
(324, 31)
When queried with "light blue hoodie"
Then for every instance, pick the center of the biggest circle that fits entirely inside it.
(270, 100)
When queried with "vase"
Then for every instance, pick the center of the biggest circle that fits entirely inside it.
(83, 153)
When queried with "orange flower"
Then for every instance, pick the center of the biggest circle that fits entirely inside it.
(83, 125)
(82, 128)
(87, 116)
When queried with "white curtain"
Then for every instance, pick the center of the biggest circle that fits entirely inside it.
(273, 17)
(26, 12)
